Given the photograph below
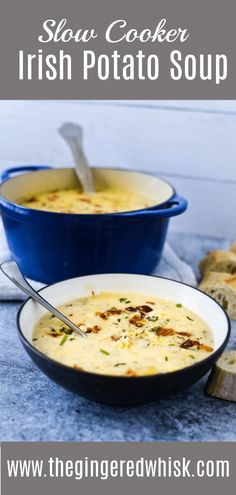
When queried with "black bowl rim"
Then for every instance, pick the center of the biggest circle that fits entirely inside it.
(181, 371)
(24, 210)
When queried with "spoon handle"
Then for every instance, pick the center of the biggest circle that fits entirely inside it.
(73, 134)
(12, 271)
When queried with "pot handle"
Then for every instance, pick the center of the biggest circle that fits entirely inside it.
(175, 206)
(6, 174)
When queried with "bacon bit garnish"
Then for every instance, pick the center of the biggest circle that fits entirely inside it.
(54, 334)
(78, 368)
(85, 200)
(32, 199)
(104, 316)
(114, 311)
(206, 348)
(142, 309)
(189, 343)
(109, 312)
(137, 320)
(53, 197)
(195, 343)
(96, 329)
(130, 372)
(185, 334)
(116, 337)
(164, 332)
(145, 308)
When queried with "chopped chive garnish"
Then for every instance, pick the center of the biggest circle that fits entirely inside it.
(64, 339)
(105, 352)
(154, 329)
(93, 292)
(128, 301)
(171, 344)
(178, 305)
(119, 364)
(73, 338)
(34, 339)
(122, 299)
(152, 318)
(193, 357)
(66, 330)
(166, 358)
(189, 318)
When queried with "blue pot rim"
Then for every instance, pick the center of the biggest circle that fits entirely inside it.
(179, 372)
(5, 203)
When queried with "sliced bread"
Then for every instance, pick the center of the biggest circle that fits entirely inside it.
(218, 261)
(233, 247)
(222, 287)
(222, 381)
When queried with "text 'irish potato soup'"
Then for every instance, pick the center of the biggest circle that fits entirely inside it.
(127, 334)
(106, 200)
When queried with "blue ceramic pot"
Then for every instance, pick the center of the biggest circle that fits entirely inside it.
(55, 246)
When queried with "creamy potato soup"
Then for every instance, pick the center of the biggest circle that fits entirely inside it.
(127, 334)
(108, 200)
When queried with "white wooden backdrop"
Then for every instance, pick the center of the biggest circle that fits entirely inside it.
(190, 143)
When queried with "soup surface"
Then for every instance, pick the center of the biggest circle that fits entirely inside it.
(108, 200)
(127, 334)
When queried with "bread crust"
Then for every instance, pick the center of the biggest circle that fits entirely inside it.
(222, 381)
(218, 261)
(222, 287)
(233, 247)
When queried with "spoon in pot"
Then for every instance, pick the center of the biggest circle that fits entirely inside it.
(73, 135)
(12, 271)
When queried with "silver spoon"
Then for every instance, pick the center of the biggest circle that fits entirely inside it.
(73, 135)
(12, 271)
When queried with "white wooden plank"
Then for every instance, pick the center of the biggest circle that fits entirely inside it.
(203, 106)
(186, 143)
(195, 152)
(211, 209)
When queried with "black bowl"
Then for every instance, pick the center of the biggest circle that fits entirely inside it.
(123, 390)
